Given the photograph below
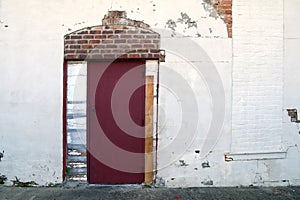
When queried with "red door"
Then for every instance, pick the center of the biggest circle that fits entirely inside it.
(115, 122)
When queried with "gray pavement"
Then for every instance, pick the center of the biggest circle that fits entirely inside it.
(136, 192)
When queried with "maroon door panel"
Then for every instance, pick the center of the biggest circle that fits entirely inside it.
(115, 122)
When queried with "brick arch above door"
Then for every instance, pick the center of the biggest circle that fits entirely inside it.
(109, 42)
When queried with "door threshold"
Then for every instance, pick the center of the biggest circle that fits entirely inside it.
(137, 185)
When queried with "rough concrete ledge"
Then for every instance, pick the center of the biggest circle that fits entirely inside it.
(90, 193)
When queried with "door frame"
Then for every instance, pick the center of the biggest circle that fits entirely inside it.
(151, 139)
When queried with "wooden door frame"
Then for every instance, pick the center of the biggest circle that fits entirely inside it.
(149, 103)
(151, 119)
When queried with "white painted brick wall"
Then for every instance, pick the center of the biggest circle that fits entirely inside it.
(257, 75)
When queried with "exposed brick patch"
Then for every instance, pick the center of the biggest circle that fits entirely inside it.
(224, 10)
(126, 39)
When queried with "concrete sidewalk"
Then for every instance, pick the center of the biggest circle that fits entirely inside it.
(136, 192)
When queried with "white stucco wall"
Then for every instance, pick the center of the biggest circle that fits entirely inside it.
(291, 98)
(189, 135)
(31, 92)
(31, 41)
